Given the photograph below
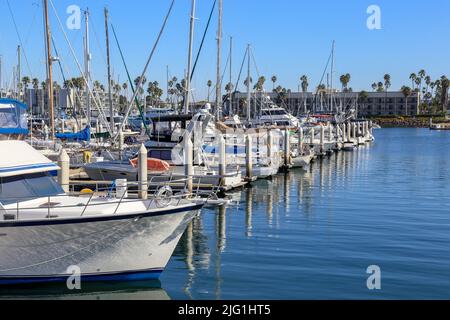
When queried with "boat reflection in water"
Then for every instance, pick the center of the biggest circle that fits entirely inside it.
(136, 290)
(231, 247)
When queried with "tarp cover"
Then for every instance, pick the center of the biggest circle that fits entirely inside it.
(83, 135)
(13, 117)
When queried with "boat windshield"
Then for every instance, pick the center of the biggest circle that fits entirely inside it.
(275, 112)
(26, 187)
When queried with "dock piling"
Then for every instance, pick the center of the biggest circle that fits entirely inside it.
(142, 172)
(287, 149)
(64, 173)
(188, 162)
(248, 156)
(121, 143)
(322, 139)
(300, 141)
(222, 158)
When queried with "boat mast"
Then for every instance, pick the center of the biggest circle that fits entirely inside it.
(87, 67)
(188, 72)
(229, 83)
(50, 70)
(331, 80)
(108, 60)
(219, 62)
(249, 97)
(19, 72)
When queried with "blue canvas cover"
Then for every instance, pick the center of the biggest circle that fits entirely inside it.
(83, 135)
(13, 117)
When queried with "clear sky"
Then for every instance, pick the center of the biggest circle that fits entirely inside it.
(289, 38)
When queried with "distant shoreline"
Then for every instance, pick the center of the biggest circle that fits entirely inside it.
(406, 122)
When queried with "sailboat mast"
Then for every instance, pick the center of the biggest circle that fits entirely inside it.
(19, 70)
(249, 97)
(50, 70)
(108, 60)
(231, 79)
(87, 67)
(219, 62)
(331, 80)
(188, 72)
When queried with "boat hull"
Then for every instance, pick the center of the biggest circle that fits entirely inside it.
(128, 247)
(302, 161)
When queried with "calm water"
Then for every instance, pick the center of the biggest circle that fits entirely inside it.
(312, 234)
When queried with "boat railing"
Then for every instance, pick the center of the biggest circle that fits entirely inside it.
(160, 196)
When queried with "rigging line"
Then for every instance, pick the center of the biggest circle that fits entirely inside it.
(98, 40)
(88, 87)
(141, 113)
(223, 74)
(321, 81)
(203, 39)
(254, 62)
(240, 71)
(141, 79)
(32, 23)
(20, 38)
(64, 79)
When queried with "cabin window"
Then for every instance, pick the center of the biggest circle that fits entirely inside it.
(27, 186)
(161, 154)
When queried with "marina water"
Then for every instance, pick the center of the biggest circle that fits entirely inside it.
(312, 234)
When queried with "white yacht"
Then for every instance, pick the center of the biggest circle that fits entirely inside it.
(46, 233)
(272, 115)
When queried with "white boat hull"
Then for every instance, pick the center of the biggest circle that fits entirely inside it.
(302, 161)
(121, 247)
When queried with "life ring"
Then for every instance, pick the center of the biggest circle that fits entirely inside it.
(163, 197)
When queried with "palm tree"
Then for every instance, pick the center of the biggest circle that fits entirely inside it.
(209, 84)
(406, 93)
(387, 85)
(345, 79)
(362, 98)
(421, 75)
(304, 83)
(444, 93)
(259, 86)
(25, 81)
(35, 84)
(413, 78)
(374, 86)
(274, 80)
(380, 87)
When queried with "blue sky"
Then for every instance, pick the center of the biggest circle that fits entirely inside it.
(289, 38)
